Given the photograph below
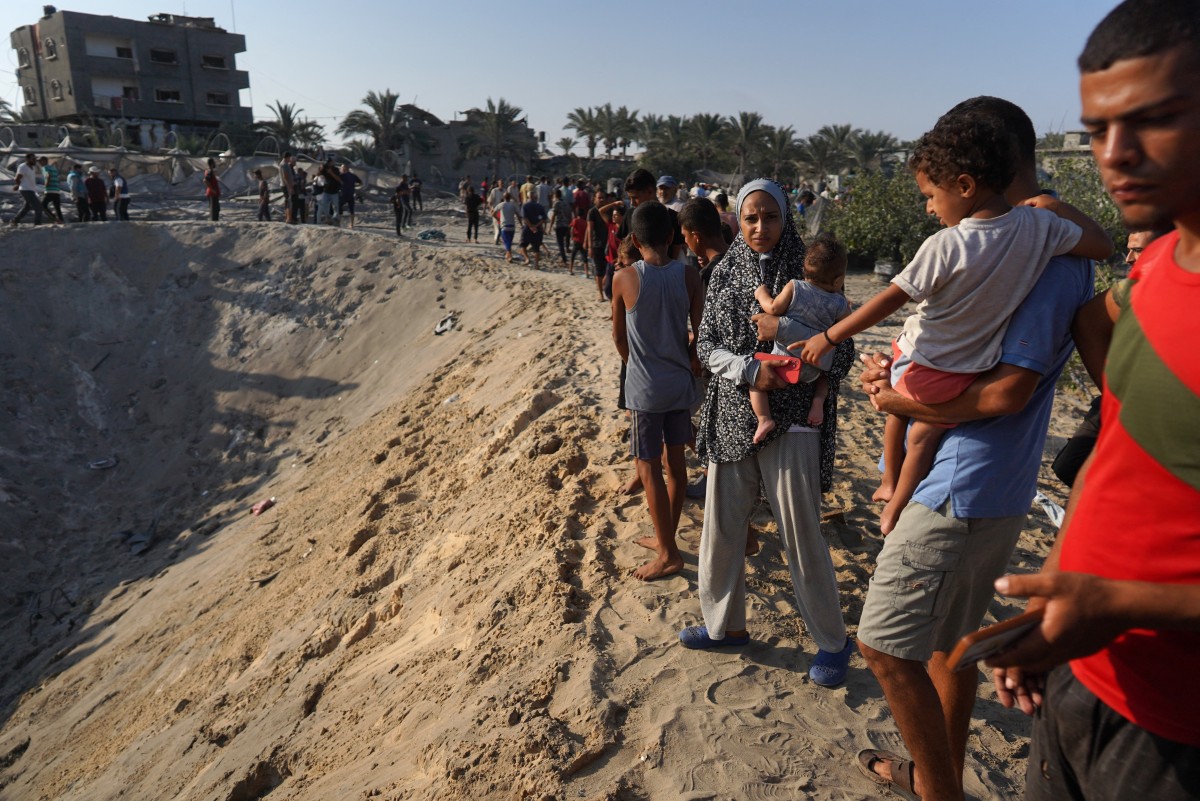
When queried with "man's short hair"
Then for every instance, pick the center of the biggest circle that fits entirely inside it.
(969, 142)
(651, 224)
(287, 154)
(640, 180)
(701, 216)
(1019, 126)
(1142, 28)
(825, 259)
(807, 197)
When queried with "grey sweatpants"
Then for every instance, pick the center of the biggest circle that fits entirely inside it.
(790, 470)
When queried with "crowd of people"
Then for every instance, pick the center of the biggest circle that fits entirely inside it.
(759, 337)
(735, 336)
(87, 192)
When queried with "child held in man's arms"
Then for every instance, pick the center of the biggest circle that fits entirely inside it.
(815, 304)
(968, 279)
(654, 301)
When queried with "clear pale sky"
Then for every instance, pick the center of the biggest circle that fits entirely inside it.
(877, 64)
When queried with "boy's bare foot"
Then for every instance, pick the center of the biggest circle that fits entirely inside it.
(885, 492)
(765, 427)
(889, 517)
(752, 544)
(650, 543)
(659, 567)
(816, 415)
(632, 485)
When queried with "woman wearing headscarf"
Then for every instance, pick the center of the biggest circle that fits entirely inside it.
(794, 464)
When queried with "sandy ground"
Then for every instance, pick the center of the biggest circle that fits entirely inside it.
(440, 604)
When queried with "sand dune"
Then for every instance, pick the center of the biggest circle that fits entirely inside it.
(439, 604)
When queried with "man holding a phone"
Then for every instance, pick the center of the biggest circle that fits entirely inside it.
(1120, 591)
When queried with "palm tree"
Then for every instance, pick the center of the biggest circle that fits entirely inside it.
(820, 156)
(583, 122)
(706, 134)
(290, 128)
(748, 133)
(496, 133)
(627, 128)
(780, 148)
(566, 143)
(647, 129)
(8, 113)
(381, 120)
(839, 138)
(867, 148)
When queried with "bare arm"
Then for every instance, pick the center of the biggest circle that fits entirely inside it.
(779, 304)
(1093, 243)
(623, 282)
(872, 312)
(1005, 389)
(695, 288)
(1084, 613)
(1092, 331)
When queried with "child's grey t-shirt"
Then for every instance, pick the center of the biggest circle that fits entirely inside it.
(969, 279)
(814, 310)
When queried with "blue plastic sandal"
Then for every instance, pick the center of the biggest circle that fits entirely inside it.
(829, 669)
(697, 637)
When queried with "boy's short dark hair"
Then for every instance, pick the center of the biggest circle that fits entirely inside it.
(701, 216)
(1019, 126)
(825, 259)
(969, 142)
(807, 197)
(1142, 28)
(651, 224)
(640, 180)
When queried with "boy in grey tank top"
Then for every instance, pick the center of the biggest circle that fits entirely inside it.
(815, 303)
(653, 304)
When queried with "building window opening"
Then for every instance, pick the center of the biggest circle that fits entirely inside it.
(30, 97)
(218, 98)
(125, 52)
(56, 89)
(23, 57)
(213, 62)
(168, 96)
(49, 49)
(160, 56)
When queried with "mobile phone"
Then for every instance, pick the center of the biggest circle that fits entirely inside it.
(991, 640)
(789, 372)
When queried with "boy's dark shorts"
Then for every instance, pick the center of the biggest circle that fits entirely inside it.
(598, 261)
(531, 239)
(650, 430)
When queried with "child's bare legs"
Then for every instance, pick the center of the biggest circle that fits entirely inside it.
(762, 410)
(816, 412)
(665, 501)
(923, 439)
(894, 432)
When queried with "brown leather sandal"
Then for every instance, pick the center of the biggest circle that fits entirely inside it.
(901, 782)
